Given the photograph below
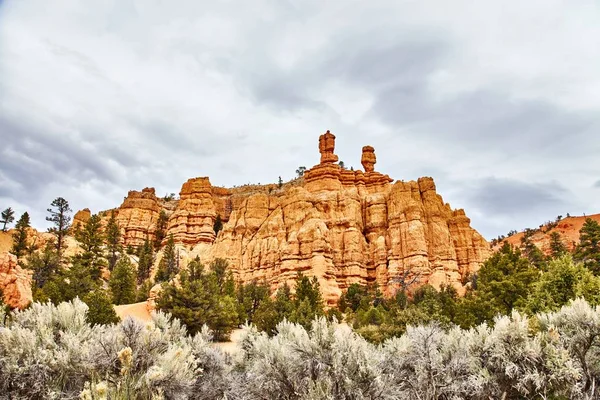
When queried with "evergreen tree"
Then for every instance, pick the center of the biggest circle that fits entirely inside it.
(218, 225)
(91, 239)
(503, 284)
(300, 171)
(250, 297)
(161, 229)
(280, 182)
(113, 241)
(557, 247)
(588, 250)
(308, 302)
(168, 266)
(8, 216)
(145, 261)
(531, 251)
(198, 301)
(20, 236)
(67, 284)
(59, 216)
(122, 282)
(100, 309)
(44, 265)
(564, 281)
(143, 291)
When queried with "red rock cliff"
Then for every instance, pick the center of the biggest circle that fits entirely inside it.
(340, 225)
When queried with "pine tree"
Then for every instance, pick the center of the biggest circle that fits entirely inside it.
(122, 282)
(61, 219)
(588, 250)
(100, 309)
(44, 265)
(280, 182)
(143, 291)
(557, 247)
(161, 228)
(250, 297)
(145, 261)
(168, 265)
(20, 236)
(91, 239)
(200, 301)
(8, 216)
(113, 241)
(531, 251)
(308, 302)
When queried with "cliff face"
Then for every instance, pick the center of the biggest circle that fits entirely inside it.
(339, 225)
(15, 282)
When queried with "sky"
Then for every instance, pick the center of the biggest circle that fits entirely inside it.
(498, 101)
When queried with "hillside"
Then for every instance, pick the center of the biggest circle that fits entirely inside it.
(568, 228)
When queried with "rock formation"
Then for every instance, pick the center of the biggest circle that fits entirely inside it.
(15, 282)
(137, 216)
(81, 217)
(340, 225)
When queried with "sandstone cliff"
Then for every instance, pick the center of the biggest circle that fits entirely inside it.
(340, 225)
(15, 282)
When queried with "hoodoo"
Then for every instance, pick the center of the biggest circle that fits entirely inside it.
(339, 225)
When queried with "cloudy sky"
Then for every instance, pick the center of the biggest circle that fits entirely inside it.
(499, 101)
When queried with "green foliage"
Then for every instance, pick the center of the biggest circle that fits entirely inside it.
(564, 281)
(91, 240)
(308, 302)
(201, 299)
(145, 261)
(8, 216)
(143, 291)
(100, 311)
(161, 229)
(113, 241)
(67, 284)
(270, 313)
(300, 171)
(530, 251)
(218, 225)
(20, 236)
(122, 282)
(504, 282)
(557, 246)
(168, 266)
(588, 250)
(250, 297)
(44, 265)
(59, 216)
(280, 182)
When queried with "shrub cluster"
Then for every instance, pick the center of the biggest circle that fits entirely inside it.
(51, 352)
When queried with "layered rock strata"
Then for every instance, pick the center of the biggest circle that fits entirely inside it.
(340, 225)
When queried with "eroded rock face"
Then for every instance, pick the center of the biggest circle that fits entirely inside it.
(137, 216)
(15, 282)
(339, 225)
(81, 217)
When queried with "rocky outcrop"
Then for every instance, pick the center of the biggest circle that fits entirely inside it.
(193, 219)
(342, 226)
(81, 217)
(15, 282)
(137, 216)
(348, 226)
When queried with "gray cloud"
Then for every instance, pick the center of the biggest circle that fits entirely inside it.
(506, 197)
(97, 99)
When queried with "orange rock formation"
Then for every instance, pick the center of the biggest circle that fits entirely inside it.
(15, 282)
(340, 225)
